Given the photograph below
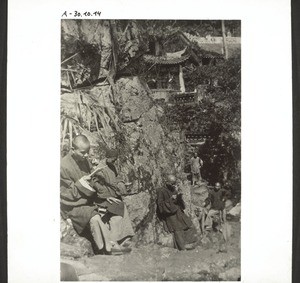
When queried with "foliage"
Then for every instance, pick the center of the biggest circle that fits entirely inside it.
(128, 40)
(217, 116)
(165, 28)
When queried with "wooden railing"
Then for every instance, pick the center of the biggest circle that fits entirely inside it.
(196, 139)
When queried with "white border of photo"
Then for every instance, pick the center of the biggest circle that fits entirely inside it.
(34, 128)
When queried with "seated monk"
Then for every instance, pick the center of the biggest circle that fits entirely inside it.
(77, 195)
(109, 199)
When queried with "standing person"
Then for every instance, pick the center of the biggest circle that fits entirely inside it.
(196, 164)
(109, 190)
(77, 195)
(170, 207)
(216, 201)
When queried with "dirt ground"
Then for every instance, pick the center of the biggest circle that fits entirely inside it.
(211, 260)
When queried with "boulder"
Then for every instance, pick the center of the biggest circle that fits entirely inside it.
(133, 97)
(72, 245)
(232, 274)
(138, 207)
(68, 272)
(72, 251)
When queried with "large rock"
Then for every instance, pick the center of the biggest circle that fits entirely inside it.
(235, 211)
(72, 251)
(148, 151)
(133, 97)
(72, 245)
(138, 207)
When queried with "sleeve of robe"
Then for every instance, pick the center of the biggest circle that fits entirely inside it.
(103, 189)
(69, 191)
(209, 199)
(165, 203)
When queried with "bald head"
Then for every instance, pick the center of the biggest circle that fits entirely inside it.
(171, 179)
(81, 147)
(80, 141)
(217, 186)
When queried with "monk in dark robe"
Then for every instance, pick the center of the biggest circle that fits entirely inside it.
(110, 188)
(171, 209)
(77, 195)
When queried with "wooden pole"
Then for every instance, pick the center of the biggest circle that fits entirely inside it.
(181, 80)
(224, 41)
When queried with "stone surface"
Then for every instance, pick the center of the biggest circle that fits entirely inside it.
(72, 245)
(138, 207)
(232, 274)
(133, 97)
(235, 211)
(156, 263)
(72, 251)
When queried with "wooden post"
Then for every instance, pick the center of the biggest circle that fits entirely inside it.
(224, 41)
(157, 48)
(181, 80)
(158, 77)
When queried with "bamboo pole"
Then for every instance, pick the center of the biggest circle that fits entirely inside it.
(224, 41)
(70, 58)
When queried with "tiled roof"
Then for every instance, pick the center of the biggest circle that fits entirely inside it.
(165, 60)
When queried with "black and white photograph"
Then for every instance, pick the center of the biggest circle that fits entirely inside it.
(150, 170)
(149, 141)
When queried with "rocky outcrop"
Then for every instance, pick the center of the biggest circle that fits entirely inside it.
(147, 150)
(72, 245)
(122, 115)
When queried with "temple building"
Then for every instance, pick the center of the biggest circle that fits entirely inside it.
(169, 61)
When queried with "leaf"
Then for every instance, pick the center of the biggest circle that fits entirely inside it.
(96, 122)
(101, 136)
(75, 127)
(113, 119)
(78, 113)
(65, 126)
(101, 114)
(89, 118)
(69, 81)
(73, 77)
(71, 132)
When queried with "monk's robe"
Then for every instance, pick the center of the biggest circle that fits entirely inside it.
(76, 198)
(175, 220)
(108, 184)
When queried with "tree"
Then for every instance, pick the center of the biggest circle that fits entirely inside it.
(218, 116)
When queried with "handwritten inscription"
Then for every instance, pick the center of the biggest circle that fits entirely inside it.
(79, 14)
